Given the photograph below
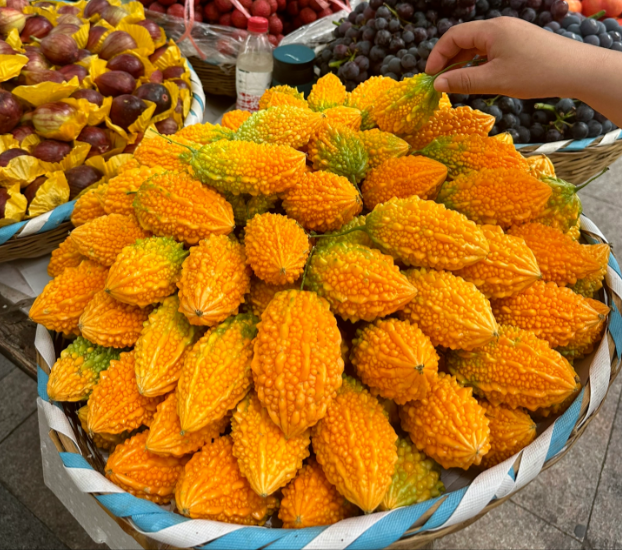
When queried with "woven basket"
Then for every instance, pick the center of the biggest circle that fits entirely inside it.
(216, 79)
(411, 527)
(578, 161)
(41, 235)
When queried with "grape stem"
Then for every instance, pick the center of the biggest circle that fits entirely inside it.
(491, 102)
(394, 12)
(340, 62)
(559, 119)
(598, 15)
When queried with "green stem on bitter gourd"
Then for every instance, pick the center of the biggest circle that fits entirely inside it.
(304, 273)
(584, 185)
(336, 235)
(192, 149)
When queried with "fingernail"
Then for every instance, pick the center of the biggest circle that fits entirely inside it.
(441, 84)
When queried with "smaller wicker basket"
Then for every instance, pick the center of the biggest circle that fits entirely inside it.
(216, 79)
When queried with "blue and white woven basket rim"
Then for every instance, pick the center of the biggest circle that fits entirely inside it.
(366, 532)
(52, 219)
(572, 146)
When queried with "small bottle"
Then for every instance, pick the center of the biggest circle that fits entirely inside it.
(253, 69)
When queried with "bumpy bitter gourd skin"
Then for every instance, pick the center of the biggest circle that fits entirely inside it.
(327, 92)
(115, 404)
(108, 322)
(510, 431)
(423, 233)
(355, 445)
(261, 294)
(143, 474)
(246, 206)
(161, 348)
(555, 314)
(448, 425)
(322, 201)
(157, 150)
(416, 478)
(120, 190)
(87, 208)
(76, 371)
(214, 280)
(234, 119)
(212, 487)
(381, 146)
(166, 438)
(541, 166)
(145, 272)
(395, 359)
(497, 196)
(463, 154)
(281, 95)
(516, 369)
(66, 255)
(62, 301)
(584, 342)
(509, 268)
(217, 373)
(103, 238)
(276, 248)
(401, 178)
(297, 362)
(355, 237)
(176, 205)
(343, 116)
(339, 150)
(107, 442)
(366, 94)
(592, 283)
(310, 500)
(561, 259)
(451, 311)
(267, 459)
(359, 283)
(285, 125)
(245, 167)
(563, 207)
(204, 133)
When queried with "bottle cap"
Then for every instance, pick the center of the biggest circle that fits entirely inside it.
(258, 24)
(293, 64)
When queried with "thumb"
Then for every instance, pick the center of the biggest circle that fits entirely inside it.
(470, 80)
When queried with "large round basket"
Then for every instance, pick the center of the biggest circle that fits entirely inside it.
(578, 161)
(216, 79)
(41, 235)
(468, 496)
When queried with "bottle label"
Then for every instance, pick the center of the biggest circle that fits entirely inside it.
(250, 87)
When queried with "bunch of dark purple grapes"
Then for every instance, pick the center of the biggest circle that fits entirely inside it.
(538, 121)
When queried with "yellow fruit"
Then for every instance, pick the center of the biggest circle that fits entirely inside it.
(327, 92)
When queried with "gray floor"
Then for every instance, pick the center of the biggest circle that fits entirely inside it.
(575, 504)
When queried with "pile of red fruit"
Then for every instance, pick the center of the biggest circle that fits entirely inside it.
(283, 16)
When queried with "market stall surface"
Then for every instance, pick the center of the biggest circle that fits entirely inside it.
(575, 504)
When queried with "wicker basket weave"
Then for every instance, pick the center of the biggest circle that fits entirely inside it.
(216, 79)
(410, 527)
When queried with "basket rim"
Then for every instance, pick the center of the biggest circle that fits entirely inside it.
(415, 524)
(614, 137)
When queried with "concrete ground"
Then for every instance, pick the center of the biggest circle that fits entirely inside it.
(575, 504)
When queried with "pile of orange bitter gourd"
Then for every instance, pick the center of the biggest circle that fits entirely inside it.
(301, 313)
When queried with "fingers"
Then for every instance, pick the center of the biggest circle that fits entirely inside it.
(470, 80)
(462, 57)
(467, 36)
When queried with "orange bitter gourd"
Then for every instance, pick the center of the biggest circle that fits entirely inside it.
(178, 206)
(261, 294)
(381, 146)
(107, 442)
(561, 259)
(366, 94)
(143, 474)
(245, 167)
(322, 201)
(359, 283)
(510, 431)
(87, 208)
(204, 133)
(161, 348)
(108, 322)
(212, 487)
(592, 283)
(120, 191)
(339, 150)
(395, 359)
(276, 248)
(62, 301)
(356, 425)
(217, 373)
(555, 314)
(463, 154)
(267, 459)
(159, 151)
(448, 424)
(66, 255)
(543, 379)
(347, 235)
(423, 233)
(584, 342)
(509, 268)
(234, 119)
(103, 238)
(541, 166)
(310, 500)
(564, 207)
(246, 206)
(497, 196)
(76, 371)
(297, 327)
(281, 95)
(285, 125)
(401, 178)
(416, 478)
(115, 404)
(145, 272)
(327, 92)
(214, 280)
(452, 122)
(166, 437)
(342, 116)
(451, 311)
